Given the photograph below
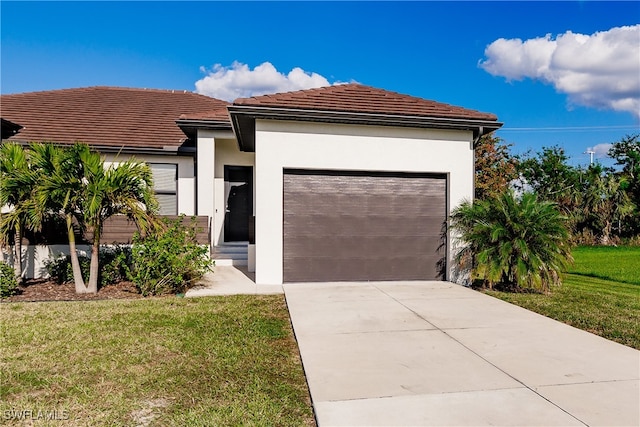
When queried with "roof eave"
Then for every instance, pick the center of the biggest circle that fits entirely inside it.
(190, 126)
(243, 121)
(123, 149)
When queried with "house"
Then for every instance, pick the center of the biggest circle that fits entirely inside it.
(339, 183)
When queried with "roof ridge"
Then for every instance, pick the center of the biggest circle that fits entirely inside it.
(119, 88)
(292, 92)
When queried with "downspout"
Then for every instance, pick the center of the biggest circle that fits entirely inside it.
(477, 138)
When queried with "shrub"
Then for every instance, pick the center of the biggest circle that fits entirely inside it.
(8, 282)
(60, 271)
(168, 260)
(115, 264)
(513, 242)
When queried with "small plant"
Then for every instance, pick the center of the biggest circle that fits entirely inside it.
(8, 282)
(59, 269)
(168, 260)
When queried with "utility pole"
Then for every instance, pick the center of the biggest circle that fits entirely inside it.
(590, 153)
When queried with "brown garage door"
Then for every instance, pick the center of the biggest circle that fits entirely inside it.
(348, 226)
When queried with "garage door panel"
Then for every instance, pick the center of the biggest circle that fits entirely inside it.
(358, 226)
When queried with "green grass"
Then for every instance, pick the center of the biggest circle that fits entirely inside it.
(165, 361)
(620, 264)
(600, 295)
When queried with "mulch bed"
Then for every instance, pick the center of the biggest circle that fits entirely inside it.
(47, 290)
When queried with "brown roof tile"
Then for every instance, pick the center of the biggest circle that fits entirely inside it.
(220, 114)
(357, 98)
(105, 116)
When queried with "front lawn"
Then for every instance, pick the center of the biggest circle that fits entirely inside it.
(600, 295)
(621, 264)
(162, 361)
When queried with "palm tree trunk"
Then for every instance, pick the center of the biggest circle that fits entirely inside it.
(94, 267)
(75, 264)
(1, 243)
(606, 233)
(17, 257)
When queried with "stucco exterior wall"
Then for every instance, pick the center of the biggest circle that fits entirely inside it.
(282, 144)
(34, 258)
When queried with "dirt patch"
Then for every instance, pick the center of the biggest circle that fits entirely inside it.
(144, 416)
(47, 290)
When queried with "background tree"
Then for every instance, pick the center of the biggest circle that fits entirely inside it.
(552, 179)
(513, 242)
(495, 167)
(550, 176)
(626, 152)
(603, 202)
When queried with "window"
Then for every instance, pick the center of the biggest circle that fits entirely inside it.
(165, 185)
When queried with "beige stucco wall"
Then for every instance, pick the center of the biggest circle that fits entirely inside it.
(282, 144)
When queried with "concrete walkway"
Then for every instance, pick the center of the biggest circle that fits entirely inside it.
(231, 280)
(435, 353)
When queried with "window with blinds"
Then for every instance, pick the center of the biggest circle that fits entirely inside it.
(165, 185)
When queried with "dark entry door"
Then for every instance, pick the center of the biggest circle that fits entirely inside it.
(238, 182)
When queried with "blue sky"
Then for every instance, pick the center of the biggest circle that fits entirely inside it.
(444, 51)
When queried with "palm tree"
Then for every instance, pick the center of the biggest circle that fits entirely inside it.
(513, 241)
(125, 188)
(16, 184)
(604, 200)
(60, 191)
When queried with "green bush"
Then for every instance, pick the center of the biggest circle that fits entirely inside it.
(115, 264)
(8, 282)
(513, 242)
(168, 260)
(60, 270)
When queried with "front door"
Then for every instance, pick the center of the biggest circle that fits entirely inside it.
(238, 184)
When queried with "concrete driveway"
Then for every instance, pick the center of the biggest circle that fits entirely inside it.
(435, 353)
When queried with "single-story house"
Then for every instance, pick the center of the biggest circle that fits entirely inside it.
(339, 183)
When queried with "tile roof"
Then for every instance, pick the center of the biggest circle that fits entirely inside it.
(105, 116)
(357, 98)
(221, 114)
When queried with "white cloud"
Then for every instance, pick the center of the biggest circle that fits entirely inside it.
(600, 151)
(239, 81)
(600, 70)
